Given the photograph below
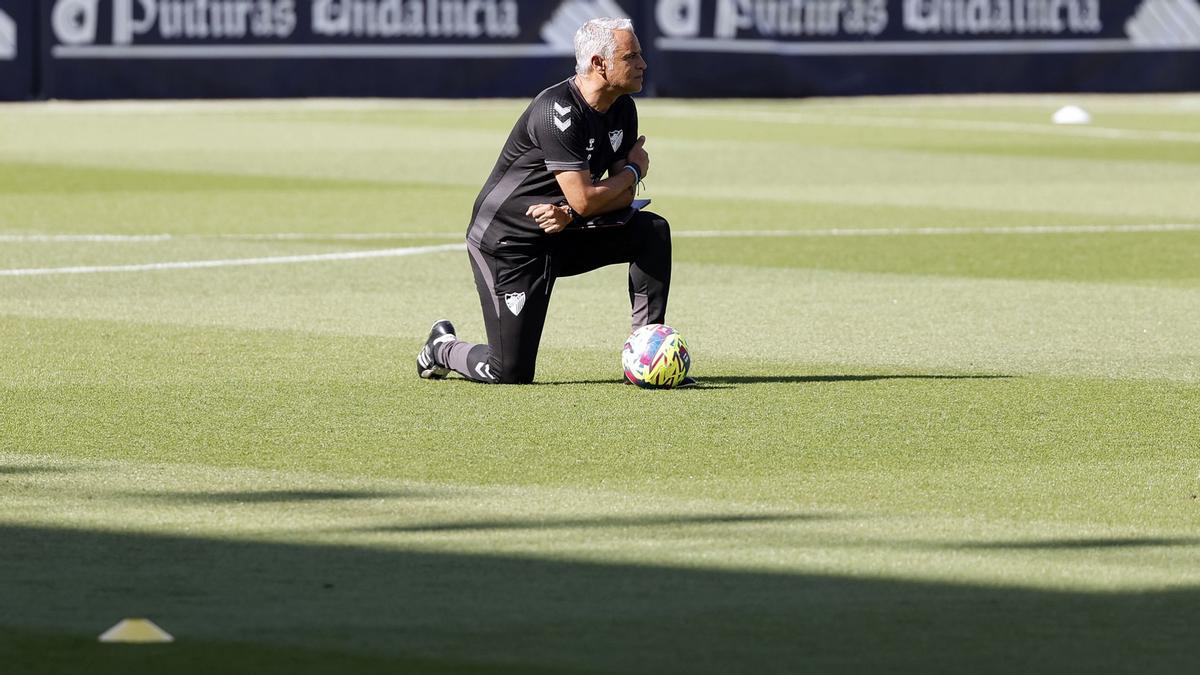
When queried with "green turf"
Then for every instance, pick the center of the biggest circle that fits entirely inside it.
(911, 451)
(1158, 259)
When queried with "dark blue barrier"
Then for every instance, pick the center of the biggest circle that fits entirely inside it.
(696, 48)
(839, 47)
(17, 50)
(187, 48)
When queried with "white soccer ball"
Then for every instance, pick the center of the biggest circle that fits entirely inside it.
(656, 357)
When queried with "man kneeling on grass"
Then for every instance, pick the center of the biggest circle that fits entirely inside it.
(547, 211)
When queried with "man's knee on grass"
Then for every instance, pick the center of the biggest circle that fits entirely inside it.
(512, 372)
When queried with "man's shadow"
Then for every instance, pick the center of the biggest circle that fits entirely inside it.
(729, 381)
(758, 379)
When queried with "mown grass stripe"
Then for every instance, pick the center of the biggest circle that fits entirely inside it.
(820, 232)
(234, 262)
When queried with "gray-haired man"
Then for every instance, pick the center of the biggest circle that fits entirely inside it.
(530, 224)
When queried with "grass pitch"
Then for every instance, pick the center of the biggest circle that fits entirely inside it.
(949, 415)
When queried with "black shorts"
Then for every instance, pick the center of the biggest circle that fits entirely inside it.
(515, 287)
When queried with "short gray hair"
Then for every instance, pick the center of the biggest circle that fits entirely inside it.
(596, 37)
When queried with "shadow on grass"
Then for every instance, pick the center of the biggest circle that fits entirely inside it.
(279, 496)
(1081, 544)
(23, 469)
(602, 522)
(714, 381)
(758, 379)
(262, 607)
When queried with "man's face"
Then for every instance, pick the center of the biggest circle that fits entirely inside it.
(628, 68)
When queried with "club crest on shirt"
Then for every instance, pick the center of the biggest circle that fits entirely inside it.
(515, 302)
(615, 137)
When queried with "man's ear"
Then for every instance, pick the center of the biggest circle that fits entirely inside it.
(599, 65)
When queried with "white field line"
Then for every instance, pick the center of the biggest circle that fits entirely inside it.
(934, 124)
(440, 248)
(95, 238)
(274, 236)
(235, 262)
(935, 231)
(820, 232)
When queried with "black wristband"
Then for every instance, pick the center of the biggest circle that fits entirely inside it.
(564, 204)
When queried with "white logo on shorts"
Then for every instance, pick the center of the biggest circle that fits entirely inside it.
(515, 302)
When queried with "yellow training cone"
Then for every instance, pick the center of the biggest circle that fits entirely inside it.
(136, 630)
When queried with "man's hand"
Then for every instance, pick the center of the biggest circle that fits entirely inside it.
(552, 219)
(638, 157)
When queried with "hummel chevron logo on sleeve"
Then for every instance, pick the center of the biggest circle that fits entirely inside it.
(564, 123)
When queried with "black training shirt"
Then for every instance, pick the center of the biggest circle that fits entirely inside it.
(559, 131)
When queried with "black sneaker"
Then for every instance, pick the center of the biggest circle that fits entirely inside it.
(427, 366)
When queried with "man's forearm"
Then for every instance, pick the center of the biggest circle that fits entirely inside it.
(588, 198)
(612, 193)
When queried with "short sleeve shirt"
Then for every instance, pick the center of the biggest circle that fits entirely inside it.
(559, 131)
